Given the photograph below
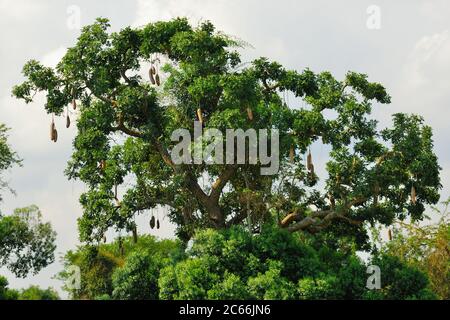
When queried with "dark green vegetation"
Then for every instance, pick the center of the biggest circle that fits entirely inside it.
(426, 247)
(302, 239)
(31, 293)
(26, 243)
(234, 264)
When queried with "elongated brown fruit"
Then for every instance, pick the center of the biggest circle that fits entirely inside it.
(309, 163)
(250, 114)
(157, 224)
(67, 121)
(152, 70)
(55, 135)
(157, 80)
(200, 115)
(150, 75)
(291, 154)
(413, 195)
(311, 170)
(52, 129)
(152, 222)
(74, 104)
(135, 235)
(102, 164)
(390, 234)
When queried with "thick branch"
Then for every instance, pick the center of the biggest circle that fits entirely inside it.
(298, 216)
(317, 220)
(124, 76)
(221, 181)
(130, 132)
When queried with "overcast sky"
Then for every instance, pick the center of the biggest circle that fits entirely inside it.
(409, 54)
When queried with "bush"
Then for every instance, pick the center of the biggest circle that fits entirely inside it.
(137, 279)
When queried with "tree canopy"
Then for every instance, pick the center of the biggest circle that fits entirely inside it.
(126, 117)
(30, 293)
(26, 243)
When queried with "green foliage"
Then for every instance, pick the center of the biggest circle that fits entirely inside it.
(137, 279)
(230, 288)
(36, 293)
(400, 281)
(235, 264)
(26, 243)
(5, 292)
(426, 247)
(30, 293)
(217, 269)
(271, 285)
(8, 158)
(108, 272)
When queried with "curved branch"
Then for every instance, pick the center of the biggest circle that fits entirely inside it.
(121, 127)
(222, 181)
(315, 222)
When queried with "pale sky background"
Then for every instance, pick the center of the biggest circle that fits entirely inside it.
(409, 54)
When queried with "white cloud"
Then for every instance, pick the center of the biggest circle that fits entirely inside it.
(429, 61)
(424, 85)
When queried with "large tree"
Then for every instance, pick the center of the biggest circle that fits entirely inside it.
(125, 122)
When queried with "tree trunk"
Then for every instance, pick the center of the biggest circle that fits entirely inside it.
(215, 214)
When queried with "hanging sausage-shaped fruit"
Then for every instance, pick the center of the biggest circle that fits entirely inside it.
(67, 121)
(151, 73)
(52, 130)
(157, 80)
(55, 135)
(389, 234)
(152, 222)
(157, 224)
(135, 235)
(309, 162)
(311, 170)
(102, 165)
